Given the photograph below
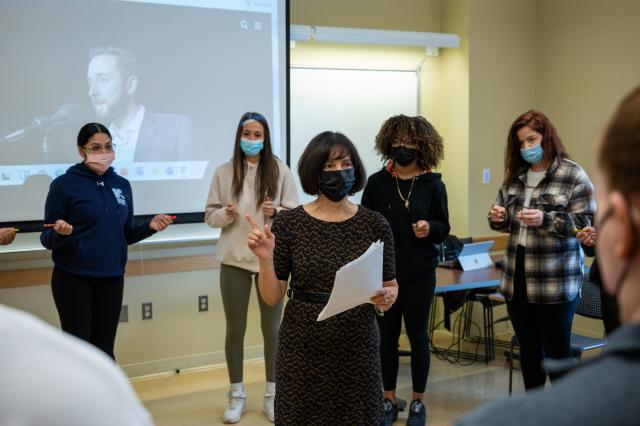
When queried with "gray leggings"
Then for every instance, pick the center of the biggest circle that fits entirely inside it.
(235, 288)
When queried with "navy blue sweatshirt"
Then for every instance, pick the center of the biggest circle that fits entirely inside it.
(100, 209)
(428, 201)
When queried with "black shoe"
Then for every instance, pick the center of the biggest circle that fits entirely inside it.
(402, 404)
(417, 414)
(390, 412)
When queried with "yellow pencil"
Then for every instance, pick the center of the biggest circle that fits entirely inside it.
(16, 229)
(577, 231)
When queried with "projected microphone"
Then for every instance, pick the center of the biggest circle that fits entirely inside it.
(63, 114)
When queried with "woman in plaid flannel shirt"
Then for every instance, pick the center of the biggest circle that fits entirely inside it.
(544, 200)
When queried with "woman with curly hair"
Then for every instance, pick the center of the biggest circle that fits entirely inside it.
(414, 201)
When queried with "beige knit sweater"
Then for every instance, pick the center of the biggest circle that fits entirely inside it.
(232, 247)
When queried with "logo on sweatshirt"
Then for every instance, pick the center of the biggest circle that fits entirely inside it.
(119, 196)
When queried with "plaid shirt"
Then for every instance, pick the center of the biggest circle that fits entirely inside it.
(553, 258)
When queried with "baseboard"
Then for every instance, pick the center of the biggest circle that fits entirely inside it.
(587, 332)
(167, 365)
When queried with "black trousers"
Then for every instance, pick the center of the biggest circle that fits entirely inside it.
(413, 304)
(89, 308)
(543, 329)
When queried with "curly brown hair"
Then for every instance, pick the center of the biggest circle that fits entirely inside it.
(422, 134)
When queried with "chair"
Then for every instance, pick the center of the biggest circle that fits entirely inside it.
(589, 306)
(488, 302)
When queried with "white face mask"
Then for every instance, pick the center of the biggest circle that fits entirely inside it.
(99, 162)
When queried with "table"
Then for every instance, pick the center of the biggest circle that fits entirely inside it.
(486, 279)
(450, 280)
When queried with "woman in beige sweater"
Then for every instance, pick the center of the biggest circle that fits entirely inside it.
(258, 183)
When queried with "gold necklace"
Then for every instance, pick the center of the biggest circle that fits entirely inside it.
(406, 200)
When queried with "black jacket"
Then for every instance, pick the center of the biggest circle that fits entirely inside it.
(428, 201)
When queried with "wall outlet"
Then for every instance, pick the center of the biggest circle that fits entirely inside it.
(124, 314)
(147, 311)
(203, 303)
(486, 176)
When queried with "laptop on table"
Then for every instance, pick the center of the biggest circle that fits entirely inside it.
(473, 256)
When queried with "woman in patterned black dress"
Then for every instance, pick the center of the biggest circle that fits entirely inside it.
(327, 372)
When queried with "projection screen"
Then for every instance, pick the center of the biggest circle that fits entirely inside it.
(170, 79)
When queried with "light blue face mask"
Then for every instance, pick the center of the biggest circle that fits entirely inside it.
(532, 155)
(251, 148)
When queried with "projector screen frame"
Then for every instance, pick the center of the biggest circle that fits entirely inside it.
(32, 226)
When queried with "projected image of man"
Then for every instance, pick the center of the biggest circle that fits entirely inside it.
(140, 134)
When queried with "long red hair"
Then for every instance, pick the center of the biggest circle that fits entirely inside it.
(514, 164)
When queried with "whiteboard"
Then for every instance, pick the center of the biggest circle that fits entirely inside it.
(353, 102)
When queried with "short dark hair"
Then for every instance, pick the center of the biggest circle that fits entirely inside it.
(90, 129)
(125, 60)
(318, 152)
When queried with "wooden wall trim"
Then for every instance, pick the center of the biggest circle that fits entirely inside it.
(500, 241)
(42, 276)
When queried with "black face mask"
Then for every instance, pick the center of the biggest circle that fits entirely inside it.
(403, 156)
(625, 270)
(337, 184)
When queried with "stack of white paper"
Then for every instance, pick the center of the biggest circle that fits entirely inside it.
(356, 282)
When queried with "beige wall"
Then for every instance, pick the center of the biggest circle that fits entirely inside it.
(405, 15)
(587, 58)
(502, 78)
(453, 119)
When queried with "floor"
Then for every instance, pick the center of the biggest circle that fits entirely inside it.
(198, 397)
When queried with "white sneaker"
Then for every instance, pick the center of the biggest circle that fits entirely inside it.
(236, 408)
(269, 396)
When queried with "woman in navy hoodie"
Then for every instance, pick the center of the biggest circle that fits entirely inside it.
(89, 216)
